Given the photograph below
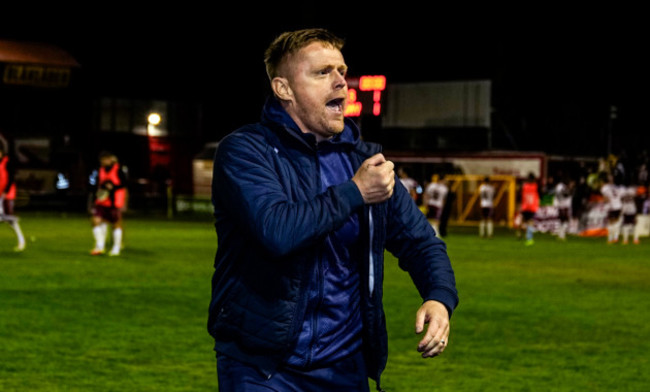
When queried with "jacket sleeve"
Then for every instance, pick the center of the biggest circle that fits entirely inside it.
(424, 256)
(251, 185)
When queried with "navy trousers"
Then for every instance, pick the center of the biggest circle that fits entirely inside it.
(346, 375)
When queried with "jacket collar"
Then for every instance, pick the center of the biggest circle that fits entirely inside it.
(274, 116)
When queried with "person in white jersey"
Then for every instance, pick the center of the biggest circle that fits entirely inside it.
(409, 183)
(435, 195)
(612, 194)
(486, 196)
(629, 210)
(562, 200)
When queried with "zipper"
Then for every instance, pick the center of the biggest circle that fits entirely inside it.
(315, 319)
(371, 265)
(319, 276)
(371, 238)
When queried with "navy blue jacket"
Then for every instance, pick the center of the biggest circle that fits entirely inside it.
(271, 218)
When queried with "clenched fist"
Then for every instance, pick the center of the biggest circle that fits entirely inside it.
(375, 179)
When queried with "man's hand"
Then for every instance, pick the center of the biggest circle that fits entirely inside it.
(436, 338)
(375, 179)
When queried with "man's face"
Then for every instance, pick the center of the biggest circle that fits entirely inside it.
(106, 161)
(316, 77)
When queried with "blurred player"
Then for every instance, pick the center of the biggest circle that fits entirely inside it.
(7, 197)
(529, 206)
(562, 201)
(612, 193)
(486, 195)
(409, 183)
(629, 210)
(435, 195)
(110, 199)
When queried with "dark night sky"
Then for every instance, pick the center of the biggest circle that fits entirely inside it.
(555, 72)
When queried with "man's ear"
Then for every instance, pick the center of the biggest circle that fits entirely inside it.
(281, 89)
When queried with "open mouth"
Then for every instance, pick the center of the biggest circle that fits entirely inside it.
(336, 104)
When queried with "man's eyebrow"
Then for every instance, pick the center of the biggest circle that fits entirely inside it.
(333, 66)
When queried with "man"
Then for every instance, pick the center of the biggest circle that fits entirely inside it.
(447, 207)
(109, 183)
(435, 195)
(409, 183)
(486, 197)
(629, 211)
(304, 210)
(562, 200)
(612, 193)
(7, 197)
(529, 206)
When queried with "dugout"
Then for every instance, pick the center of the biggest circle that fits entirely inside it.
(55, 119)
(42, 120)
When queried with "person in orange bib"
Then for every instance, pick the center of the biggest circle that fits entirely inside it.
(109, 202)
(7, 197)
(529, 206)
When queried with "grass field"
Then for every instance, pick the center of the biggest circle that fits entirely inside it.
(556, 316)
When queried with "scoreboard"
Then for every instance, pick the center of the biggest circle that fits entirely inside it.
(365, 95)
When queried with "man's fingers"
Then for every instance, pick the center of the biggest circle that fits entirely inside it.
(437, 348)
(376, 159)
(435, 345)
(386, 174)
(389, 165)
(420, 319)
(435, 338)
(428, 341)
(375, 179)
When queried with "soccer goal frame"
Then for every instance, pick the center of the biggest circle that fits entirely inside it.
(466, 205)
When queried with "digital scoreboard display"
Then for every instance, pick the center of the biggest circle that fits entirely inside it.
(365, 95)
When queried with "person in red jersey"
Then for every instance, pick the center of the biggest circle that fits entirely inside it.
(109, 202)
(7, 197)
(529, 206)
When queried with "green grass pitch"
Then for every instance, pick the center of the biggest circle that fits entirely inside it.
(556, 316)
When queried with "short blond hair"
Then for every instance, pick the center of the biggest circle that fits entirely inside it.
(292, 41)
